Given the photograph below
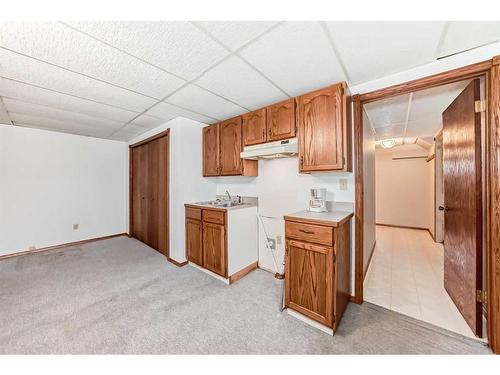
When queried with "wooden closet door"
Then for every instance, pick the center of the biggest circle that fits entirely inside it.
(281, 120)
(140, 197)
(254, 127)
(230, 140)
(320, 123)
(149, 192)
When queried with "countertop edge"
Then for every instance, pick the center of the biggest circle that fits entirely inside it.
(296, 217)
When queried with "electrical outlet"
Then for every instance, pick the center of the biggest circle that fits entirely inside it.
(343, 184)
(279, 240)
(76, 226)
(272, 243)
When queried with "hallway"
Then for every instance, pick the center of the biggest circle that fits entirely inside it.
(406, 275)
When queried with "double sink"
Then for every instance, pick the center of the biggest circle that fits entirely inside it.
(219, 203)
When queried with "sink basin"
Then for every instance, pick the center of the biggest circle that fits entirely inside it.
(219, 203)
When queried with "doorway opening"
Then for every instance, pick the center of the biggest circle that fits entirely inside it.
(423, 205)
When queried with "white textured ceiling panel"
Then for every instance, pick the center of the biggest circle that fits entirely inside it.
(78, 52)
(167, 112)
(462, 36)
(24, 69)
(424, 127)
(235, 80)
(147, 122)
(236, 34)
(128, 132)
(178, 47)
(371, 50)
(202, 101)
(432, 102)
(387, 112)
(297, 56)
(4, 115)
(38, 95)
(16, 106)
(57, 125)
(391, 131)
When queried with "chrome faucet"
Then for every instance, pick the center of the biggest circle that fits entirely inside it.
(229, 195)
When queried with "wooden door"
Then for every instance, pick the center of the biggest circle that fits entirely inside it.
(149, 192)
(463, 204)
(309, 279)
(254, 127)
(320, 125)
(214, 248)
(194, 241)
(281, 120)
(211, 150)
(231, 147)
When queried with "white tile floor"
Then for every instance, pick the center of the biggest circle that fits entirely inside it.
(406, 275)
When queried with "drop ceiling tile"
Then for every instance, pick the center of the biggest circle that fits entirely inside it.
(148, 122)
(425, 127)
(178, 47)
(57, 125)
(202, 101)
(167, 112)
(58, 44)
(128, 132)
(38, 95)
(18, 67)
(236, 34)
(370, 50)
(4, 116)
(17, 106)
(235, 80)
(464, 35)
(386, 112)
(297, 56)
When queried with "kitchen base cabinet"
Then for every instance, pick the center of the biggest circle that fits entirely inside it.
(317, 268)
(222, 242)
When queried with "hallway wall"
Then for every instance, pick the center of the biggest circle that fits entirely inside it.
(404, 189)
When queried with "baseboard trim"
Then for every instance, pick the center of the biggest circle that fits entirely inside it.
(56, 247)
(243, 272)
(178, 264)
(370, 259)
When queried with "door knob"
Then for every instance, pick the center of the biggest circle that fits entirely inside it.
(443, 208)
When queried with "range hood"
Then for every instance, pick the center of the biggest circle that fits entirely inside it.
(272, 150)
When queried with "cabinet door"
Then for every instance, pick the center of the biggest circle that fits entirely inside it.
(254, 127)
(211, 150)
(194, 240)
(309, 280)
(230, 142)
(320, 125)
(281, 120)
(214, 248)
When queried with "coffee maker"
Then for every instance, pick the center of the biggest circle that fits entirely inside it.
(317, 202)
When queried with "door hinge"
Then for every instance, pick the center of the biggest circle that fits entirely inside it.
(481, 296)
(480, 106)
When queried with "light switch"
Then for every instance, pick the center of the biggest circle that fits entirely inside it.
(343, 184)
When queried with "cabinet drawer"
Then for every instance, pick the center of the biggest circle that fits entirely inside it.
(216, 217)
(193, 213)
(310, 233)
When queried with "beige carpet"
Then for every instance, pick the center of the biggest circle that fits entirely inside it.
(120, 296)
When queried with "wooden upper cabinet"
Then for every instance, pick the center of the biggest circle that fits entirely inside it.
(324, 130)
(254, 127)
(211, 150)
(281, 120)
(230, 146)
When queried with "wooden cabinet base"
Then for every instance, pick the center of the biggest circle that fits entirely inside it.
(309, 321)
(233, 278)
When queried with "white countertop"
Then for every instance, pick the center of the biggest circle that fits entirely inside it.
(331, 216)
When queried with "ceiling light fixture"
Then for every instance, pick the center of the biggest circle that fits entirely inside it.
(388, 143)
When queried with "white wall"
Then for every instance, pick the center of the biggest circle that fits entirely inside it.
(281, 190)
(369, 210)
(404, 191)
(50, 181)
(186, 182)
